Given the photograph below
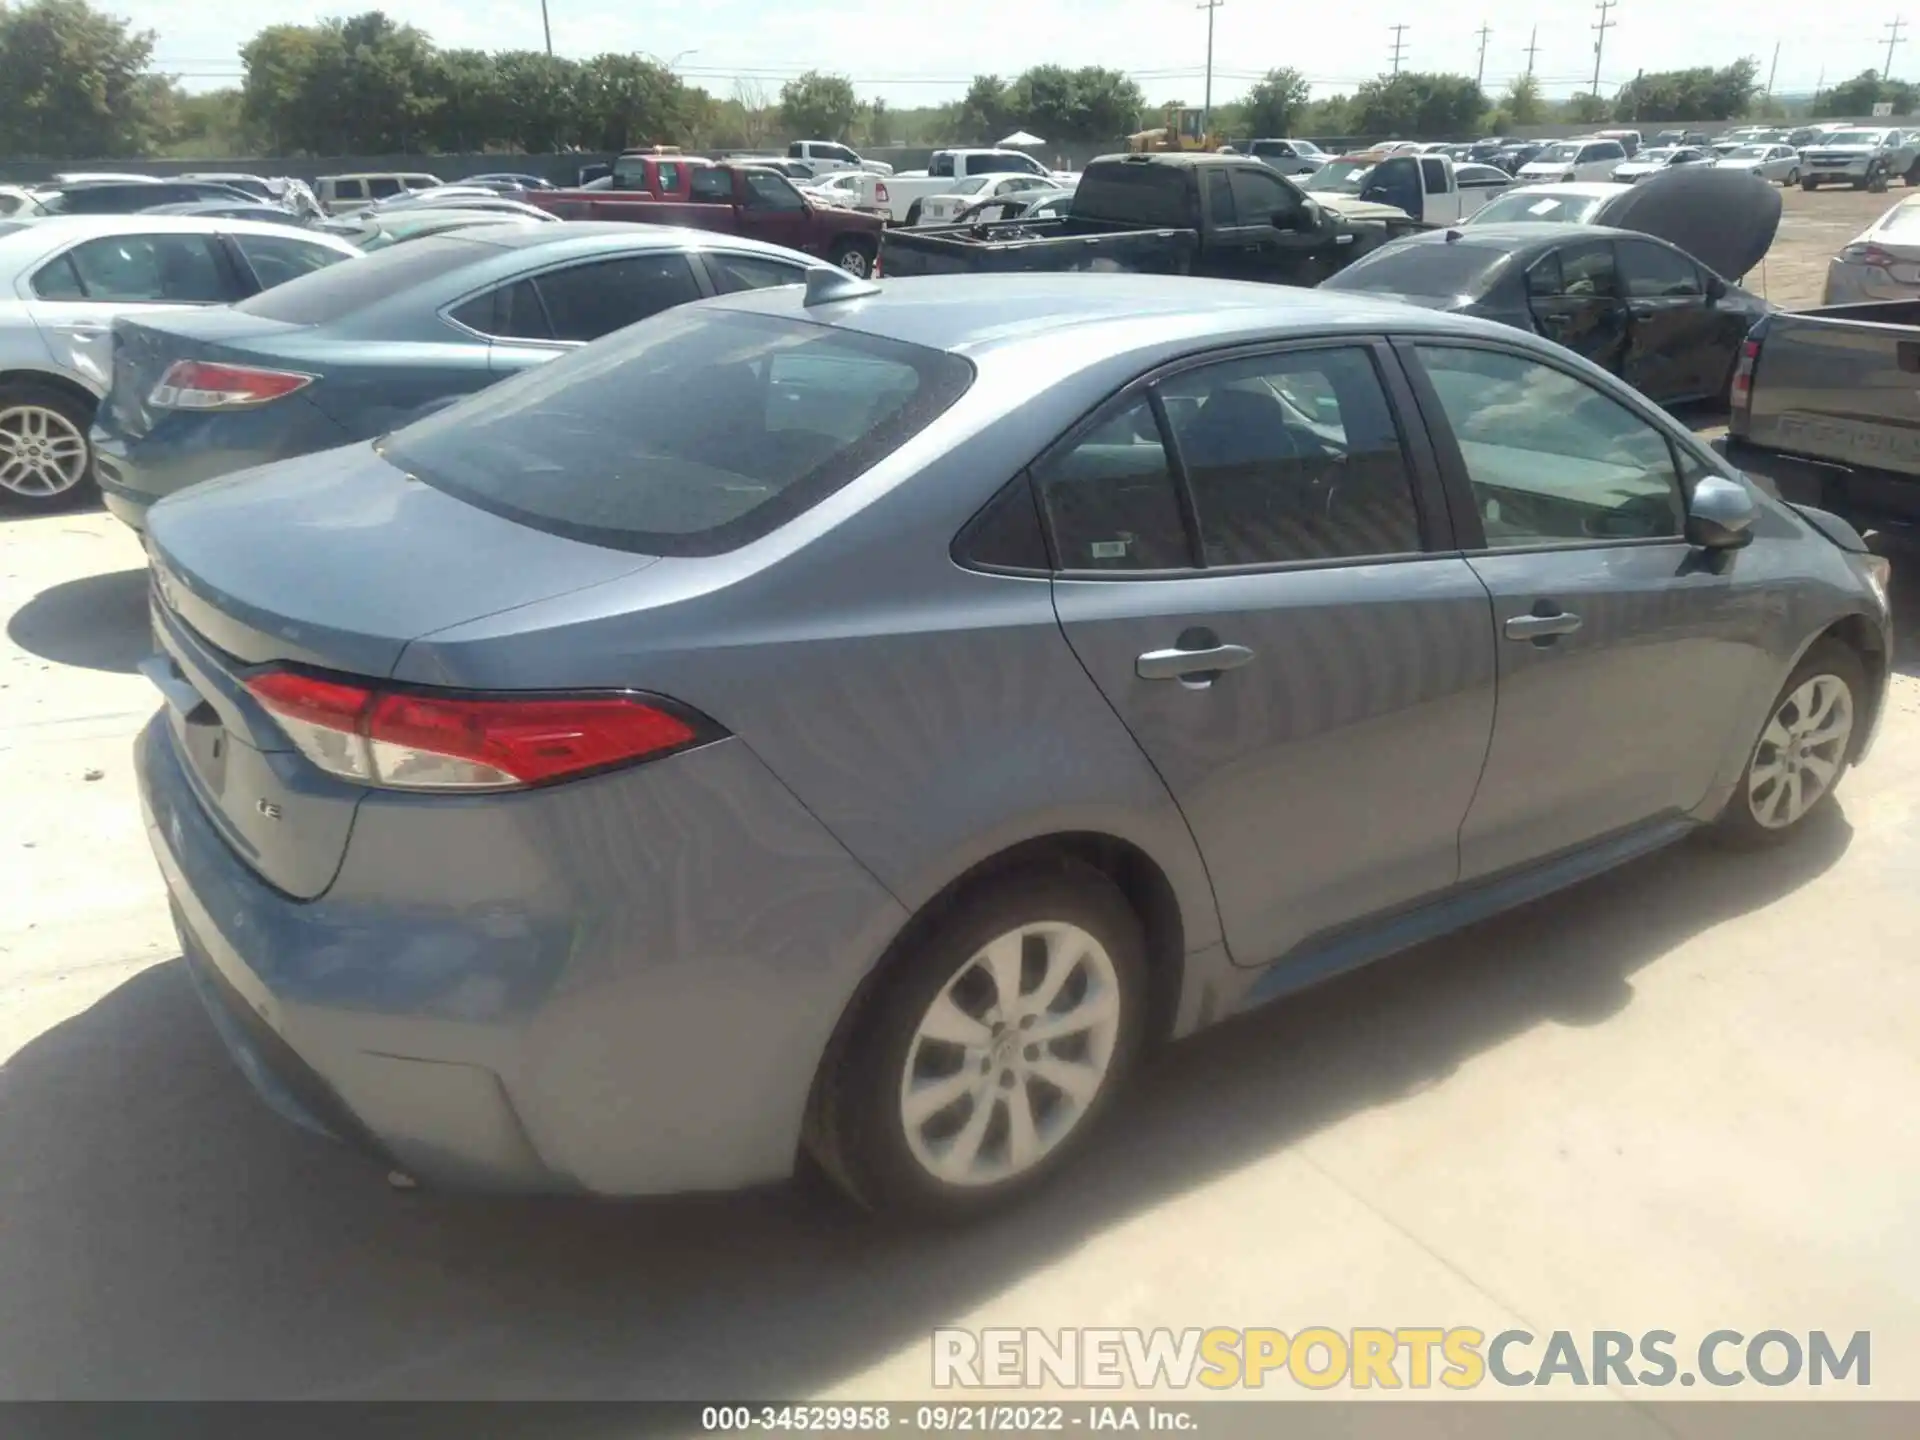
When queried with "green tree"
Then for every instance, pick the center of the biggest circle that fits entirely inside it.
(73, 82)
(1277, 103)
(468, 111)
(1329, 117)
(1418, 104)
(1701, 93)
(984, 113)
(819, 107)
(1522, 102)
(879, 118)
(1058, 104)
(624, 100)
(279, 63)
(1859, 95)
(537, 97)
(1587, 109)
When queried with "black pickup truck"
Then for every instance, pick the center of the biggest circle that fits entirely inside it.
(1225, 216)
(1826, 405)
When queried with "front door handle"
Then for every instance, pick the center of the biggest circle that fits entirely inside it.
(1541, 629)
(1191, 664)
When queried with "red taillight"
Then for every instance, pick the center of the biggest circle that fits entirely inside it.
(1742, 393)
(417, 740)
(1870, 254)
(202, 385)
(880, 193)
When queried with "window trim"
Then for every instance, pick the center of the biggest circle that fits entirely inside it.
(706, 258)
(1467, 526)
(1432, 505)
(234, 273)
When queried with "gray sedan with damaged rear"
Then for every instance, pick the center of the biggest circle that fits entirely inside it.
(858, 722)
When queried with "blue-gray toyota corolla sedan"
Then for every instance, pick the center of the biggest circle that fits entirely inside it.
(857, 722)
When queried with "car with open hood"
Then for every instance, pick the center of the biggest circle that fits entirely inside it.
(1647, 297)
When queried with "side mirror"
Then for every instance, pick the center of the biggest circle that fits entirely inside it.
(1716, 289)
(1304, 221)
(1720, 515)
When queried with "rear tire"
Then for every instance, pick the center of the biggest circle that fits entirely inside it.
(855, 257)
(993, 1046)
(913, 213)
(1793, 179)
(1802, 751)
(46, 458)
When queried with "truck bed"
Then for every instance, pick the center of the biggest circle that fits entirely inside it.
(1834, 412)
(1012, 246)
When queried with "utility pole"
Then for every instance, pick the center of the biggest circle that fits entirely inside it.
(1480, 73)
(1893, 29)
(546, 25)
(1772, 70)
(1600, 37)
(1533, 48)
(1398, 44)
(1206, 103)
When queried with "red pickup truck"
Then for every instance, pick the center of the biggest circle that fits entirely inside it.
(745, 200)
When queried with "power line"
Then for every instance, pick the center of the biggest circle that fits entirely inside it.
(1893, 29)
(1206, 103)
(1398, 44)
(1600, 38)
(1480, 73)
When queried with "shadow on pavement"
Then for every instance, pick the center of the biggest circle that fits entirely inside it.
(98, 622)
(165, 1235)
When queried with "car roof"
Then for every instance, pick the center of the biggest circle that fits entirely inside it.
(979, 314)
(614, 234)
(1521, 236)
(61, 228)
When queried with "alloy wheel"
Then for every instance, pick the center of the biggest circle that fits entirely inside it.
(1011, 1054)
(42, 452)
(1801, 751)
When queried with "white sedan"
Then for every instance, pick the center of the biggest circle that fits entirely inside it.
(1882, 262)
(943, 208)
(66, 278)
(1779, 163)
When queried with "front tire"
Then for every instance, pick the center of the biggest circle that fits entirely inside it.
(46, 460)
(1809, 184)
(995, 1043)
(1803, 749)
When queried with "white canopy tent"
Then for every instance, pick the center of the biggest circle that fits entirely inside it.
(1021, 138)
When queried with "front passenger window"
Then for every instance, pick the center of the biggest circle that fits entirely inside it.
(1550, 459)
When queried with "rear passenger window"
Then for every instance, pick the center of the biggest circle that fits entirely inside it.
(381, 186)
(1293, 457)
(1434, 173)
(348, 190)
(1006, 534)
(1543, 280)
(750, 272)
(1111, 499)
(712, 184)
(584, 302)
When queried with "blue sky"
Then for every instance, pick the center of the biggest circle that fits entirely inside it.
(915, 55)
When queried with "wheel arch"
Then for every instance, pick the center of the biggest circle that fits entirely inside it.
(1859, 634)
(1141, 880)
(53, 380)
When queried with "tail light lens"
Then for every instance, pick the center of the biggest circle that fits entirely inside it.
(202, 385)
(418, 740)
(880, 194)
(1742, 392)
(1869, 254)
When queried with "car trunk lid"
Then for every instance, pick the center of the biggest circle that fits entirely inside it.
(145, 348)
(277, 572)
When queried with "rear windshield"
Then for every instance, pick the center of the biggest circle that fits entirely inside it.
(689, 434)
(341, 290)
(1533, 203)
(1136, 194)
(1423, 268)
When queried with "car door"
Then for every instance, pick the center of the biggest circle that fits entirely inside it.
(74, 297)
(1625, 654)
(1254, 569)
(1573, 293)
(772, 210)
(270, 260)
(1672, 332)
(552, 311)
(1275, 237)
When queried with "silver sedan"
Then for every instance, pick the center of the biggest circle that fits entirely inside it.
(1778, 163)
(64, 280)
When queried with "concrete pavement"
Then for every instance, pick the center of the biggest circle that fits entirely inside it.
(1680, 1097)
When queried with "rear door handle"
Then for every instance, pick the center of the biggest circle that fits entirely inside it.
(1541, 627)
(1185, 664)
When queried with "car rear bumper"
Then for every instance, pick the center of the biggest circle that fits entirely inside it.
(189, 449)
(560, 1026)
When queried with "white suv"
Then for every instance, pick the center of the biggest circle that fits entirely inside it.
(1574, 160)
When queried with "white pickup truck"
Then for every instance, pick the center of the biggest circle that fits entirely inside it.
(900, 196)
(1428, 188)
(822, 157)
